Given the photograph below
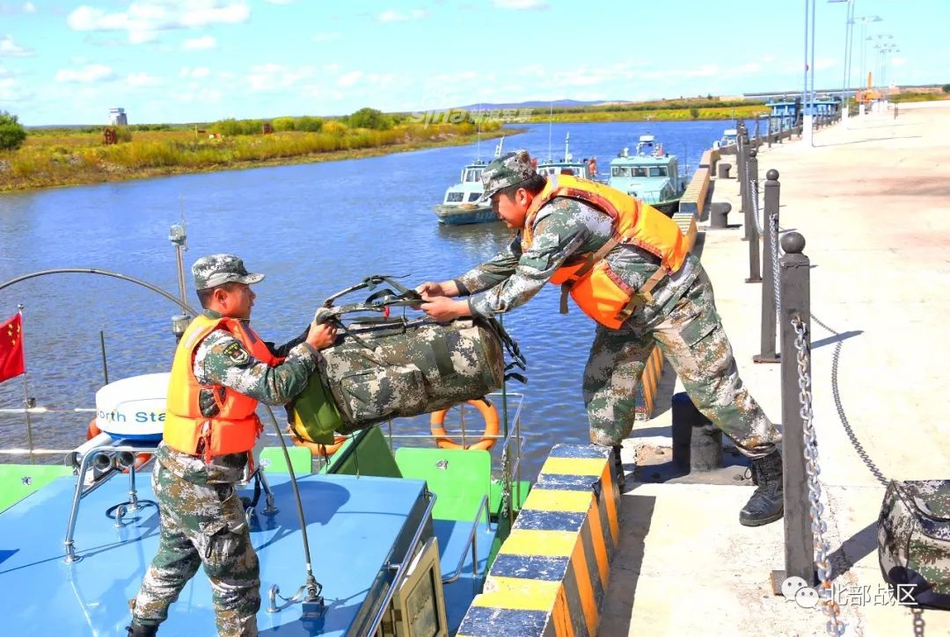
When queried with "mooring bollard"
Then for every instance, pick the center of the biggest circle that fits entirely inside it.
(697, 443)
(770, 219)
(717, 214)
(752, 230)
(723, 169)
(796, 305)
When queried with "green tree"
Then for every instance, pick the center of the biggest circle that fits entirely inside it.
(370, 118)
(946, 88)
(12, 132)
(694, 112)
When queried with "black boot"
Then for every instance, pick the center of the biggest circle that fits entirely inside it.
(137, 630)
(618, 468)
(766, 504)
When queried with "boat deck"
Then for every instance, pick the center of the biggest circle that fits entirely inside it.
(355, 526)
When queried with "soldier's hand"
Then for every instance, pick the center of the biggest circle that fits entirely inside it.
(321, 336)
(444, 309)
(430, 289)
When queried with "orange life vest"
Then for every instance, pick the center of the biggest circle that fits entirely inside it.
(236, 427)
(596, 289)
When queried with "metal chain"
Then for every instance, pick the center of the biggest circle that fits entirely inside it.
(756, 213)
(773, 240)
(858, 447)
(818, 526)
(918, 614)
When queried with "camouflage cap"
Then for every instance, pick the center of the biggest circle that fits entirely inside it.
(218, 269)
(508, 170)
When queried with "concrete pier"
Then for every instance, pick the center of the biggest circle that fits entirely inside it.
(872, 199)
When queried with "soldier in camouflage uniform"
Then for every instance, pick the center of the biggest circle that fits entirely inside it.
(202, 518)
(681, 318)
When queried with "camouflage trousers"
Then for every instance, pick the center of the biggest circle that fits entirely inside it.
(692, 339)
(201, 524)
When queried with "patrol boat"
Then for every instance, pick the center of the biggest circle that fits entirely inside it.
(459, 205)
(383, 537)
(567, 165)
(649, 175)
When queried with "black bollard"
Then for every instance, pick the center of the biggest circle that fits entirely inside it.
(796, 304)
(752, 230)
(770, 208)
(697, 443)
(717, 214)
(723, 169)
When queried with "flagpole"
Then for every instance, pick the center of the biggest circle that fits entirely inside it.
(26, 388)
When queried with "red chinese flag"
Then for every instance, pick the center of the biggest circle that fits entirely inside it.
(11, 348)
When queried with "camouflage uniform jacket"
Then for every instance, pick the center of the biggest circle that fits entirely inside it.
(565, 229)
(221, 359)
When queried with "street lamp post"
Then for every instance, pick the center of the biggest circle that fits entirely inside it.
(846, 82)
(864, 38)
(808, 96)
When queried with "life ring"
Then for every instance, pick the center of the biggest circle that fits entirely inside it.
(316, 447)
(140, 458)
(489, 414)
(592, 166)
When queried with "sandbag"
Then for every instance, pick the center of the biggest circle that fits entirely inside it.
(914, 542)
(388, 367)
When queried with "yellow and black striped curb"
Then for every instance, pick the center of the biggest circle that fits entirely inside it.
(550, 576)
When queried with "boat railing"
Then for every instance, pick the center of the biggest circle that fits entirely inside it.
(471, 541)
(400, 569)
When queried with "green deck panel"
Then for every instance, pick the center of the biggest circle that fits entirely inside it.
(459, 477)
(301, 459)
(366, 453)
(17, 481)
(496, 487)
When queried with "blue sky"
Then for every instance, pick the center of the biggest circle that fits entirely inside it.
(67, 62)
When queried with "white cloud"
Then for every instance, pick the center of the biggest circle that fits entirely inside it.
(521, 5)
(326, 37)
(85, 75)
(143, 79)
(29, 7)
(144, 18)
(272, 77)
(349, 79)
(200, 96)
(10, 91)
(332, 67)
(199, 44)
(197, 72)
(10, 49)
(394, 16)
(280, 1)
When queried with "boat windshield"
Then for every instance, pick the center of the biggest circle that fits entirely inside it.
(473, 196)
(658, 171)
(472, 175)
(454, 197)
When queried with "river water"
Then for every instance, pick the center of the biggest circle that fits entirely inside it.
(314, 229)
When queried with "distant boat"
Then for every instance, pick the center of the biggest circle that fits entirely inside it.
(459, 205)
(567, 165)
(649, 175)
(729, 137)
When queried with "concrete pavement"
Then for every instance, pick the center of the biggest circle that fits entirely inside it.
(872, 199)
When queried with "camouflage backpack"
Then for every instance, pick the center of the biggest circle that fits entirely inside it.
(386, 366)
(913, 537)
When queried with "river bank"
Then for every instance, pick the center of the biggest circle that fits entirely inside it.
(49, 161)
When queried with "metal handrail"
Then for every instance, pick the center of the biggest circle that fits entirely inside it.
(482, 506)
(403, 565)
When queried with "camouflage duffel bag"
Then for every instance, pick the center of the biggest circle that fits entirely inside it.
(394, 366)
(913, 537)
